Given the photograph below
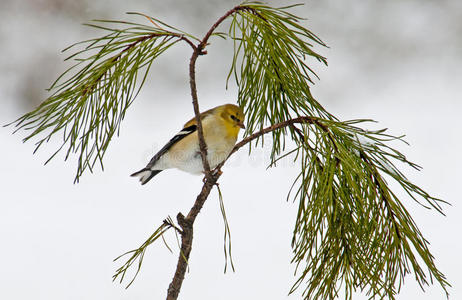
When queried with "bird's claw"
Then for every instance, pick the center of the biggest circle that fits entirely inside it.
(217, 172)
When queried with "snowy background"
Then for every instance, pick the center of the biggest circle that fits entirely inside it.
(398, 62)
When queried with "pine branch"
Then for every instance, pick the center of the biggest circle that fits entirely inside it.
(88, 107)
(138, 254)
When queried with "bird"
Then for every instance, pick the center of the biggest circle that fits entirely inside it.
(220, 126)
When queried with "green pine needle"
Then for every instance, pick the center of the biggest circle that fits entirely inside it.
(137, 255)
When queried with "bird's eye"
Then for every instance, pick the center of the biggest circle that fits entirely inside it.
(233, 117)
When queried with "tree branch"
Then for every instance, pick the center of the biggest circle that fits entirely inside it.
(306, 119)
(200, 131)
(187, 223)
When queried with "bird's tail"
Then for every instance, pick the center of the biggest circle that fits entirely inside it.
(145, 174)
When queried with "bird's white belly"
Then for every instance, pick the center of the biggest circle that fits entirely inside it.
(189, 160)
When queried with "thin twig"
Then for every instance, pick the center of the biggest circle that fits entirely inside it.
(200, 50)
(308, 120)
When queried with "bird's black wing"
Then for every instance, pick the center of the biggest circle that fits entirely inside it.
(178, 137)
(147, 173)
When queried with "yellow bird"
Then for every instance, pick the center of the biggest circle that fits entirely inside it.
(220, 125)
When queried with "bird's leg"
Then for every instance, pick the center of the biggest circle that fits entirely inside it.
(214, 172)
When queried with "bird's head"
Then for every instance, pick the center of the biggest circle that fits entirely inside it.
(233, 114)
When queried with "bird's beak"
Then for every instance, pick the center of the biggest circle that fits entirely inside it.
(241, 124)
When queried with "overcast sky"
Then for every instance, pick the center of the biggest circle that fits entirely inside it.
(398, 62)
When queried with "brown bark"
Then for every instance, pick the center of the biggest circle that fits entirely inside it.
(186, 223)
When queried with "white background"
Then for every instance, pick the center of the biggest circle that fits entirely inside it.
(398, 63)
